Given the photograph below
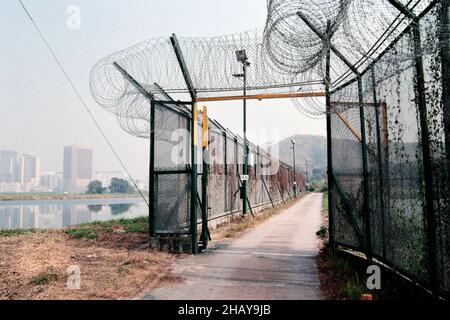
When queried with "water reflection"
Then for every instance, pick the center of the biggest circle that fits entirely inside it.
(119, 208)
(95, 207)
(116, 208)
(57, 214)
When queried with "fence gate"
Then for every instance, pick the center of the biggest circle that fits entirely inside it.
(172, 190)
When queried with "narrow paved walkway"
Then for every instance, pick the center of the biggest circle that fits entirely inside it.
(276, 260)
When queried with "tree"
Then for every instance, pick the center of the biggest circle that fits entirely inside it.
(120, 186)
(119, 208)
(318, 175)
(95, 187)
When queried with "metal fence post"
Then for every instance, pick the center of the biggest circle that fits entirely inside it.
(194, 140)
(445, 60)
(245, 147)
(225, 169)
(205, 150)
(367, 209)
(194, 176)
(236, 171)
(329, 141)
(151, 181)
(427, 159)
(194, 214)
(380, 163)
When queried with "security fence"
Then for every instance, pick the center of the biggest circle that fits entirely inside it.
(177, 206)
(384, 66)
(193, 178)
(389, 156)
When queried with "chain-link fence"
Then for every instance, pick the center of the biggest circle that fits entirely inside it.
(270, 181)
(386, 69)
(389, 179)
(169, 184)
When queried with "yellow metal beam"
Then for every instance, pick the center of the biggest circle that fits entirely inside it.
(264, 96)
(345, 121)
(205, 134)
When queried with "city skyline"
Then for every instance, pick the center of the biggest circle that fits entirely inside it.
(22, 172)
(45, 169)
(50, 114)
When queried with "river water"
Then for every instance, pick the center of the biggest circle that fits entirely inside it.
(53, 214)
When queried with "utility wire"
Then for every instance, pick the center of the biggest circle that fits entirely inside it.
(66, 75)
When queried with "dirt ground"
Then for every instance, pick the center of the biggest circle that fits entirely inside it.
(115, 265)
(114, 260)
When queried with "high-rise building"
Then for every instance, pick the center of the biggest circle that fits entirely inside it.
(8, 166)
(51, 181)
(28, 169)
(9, 187)
(77, 168)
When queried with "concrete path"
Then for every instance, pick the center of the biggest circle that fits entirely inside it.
(274, 261)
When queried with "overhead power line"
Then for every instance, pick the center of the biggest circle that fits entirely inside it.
(80, 98)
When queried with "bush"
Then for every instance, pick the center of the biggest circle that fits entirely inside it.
(120, 186)
(95, 187)
(322, 233)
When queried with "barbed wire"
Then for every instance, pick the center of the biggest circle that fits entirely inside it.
(287, 56)
(359, 30)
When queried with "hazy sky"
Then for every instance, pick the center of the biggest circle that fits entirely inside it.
(41, 114)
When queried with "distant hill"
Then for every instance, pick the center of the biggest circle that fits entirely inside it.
(402, 156)
(306, 146)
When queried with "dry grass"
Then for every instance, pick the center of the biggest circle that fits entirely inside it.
(339, 279)
(115, 265)
(113, 257)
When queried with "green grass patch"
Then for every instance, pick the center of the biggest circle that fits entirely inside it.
(16, 232)
(93, 230)
(325, 202)
(82, 233)
(137, 225)
(45, 277)
(323, 232)
(355, 288)
(351, 276)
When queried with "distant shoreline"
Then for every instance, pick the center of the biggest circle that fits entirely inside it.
(62, 196)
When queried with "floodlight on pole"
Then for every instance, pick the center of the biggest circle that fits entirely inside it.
(293, 165)
(241, 56)
(307, 177)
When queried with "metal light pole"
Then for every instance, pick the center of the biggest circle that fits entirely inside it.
(306, 163)
(293, 155)
(241, 56)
